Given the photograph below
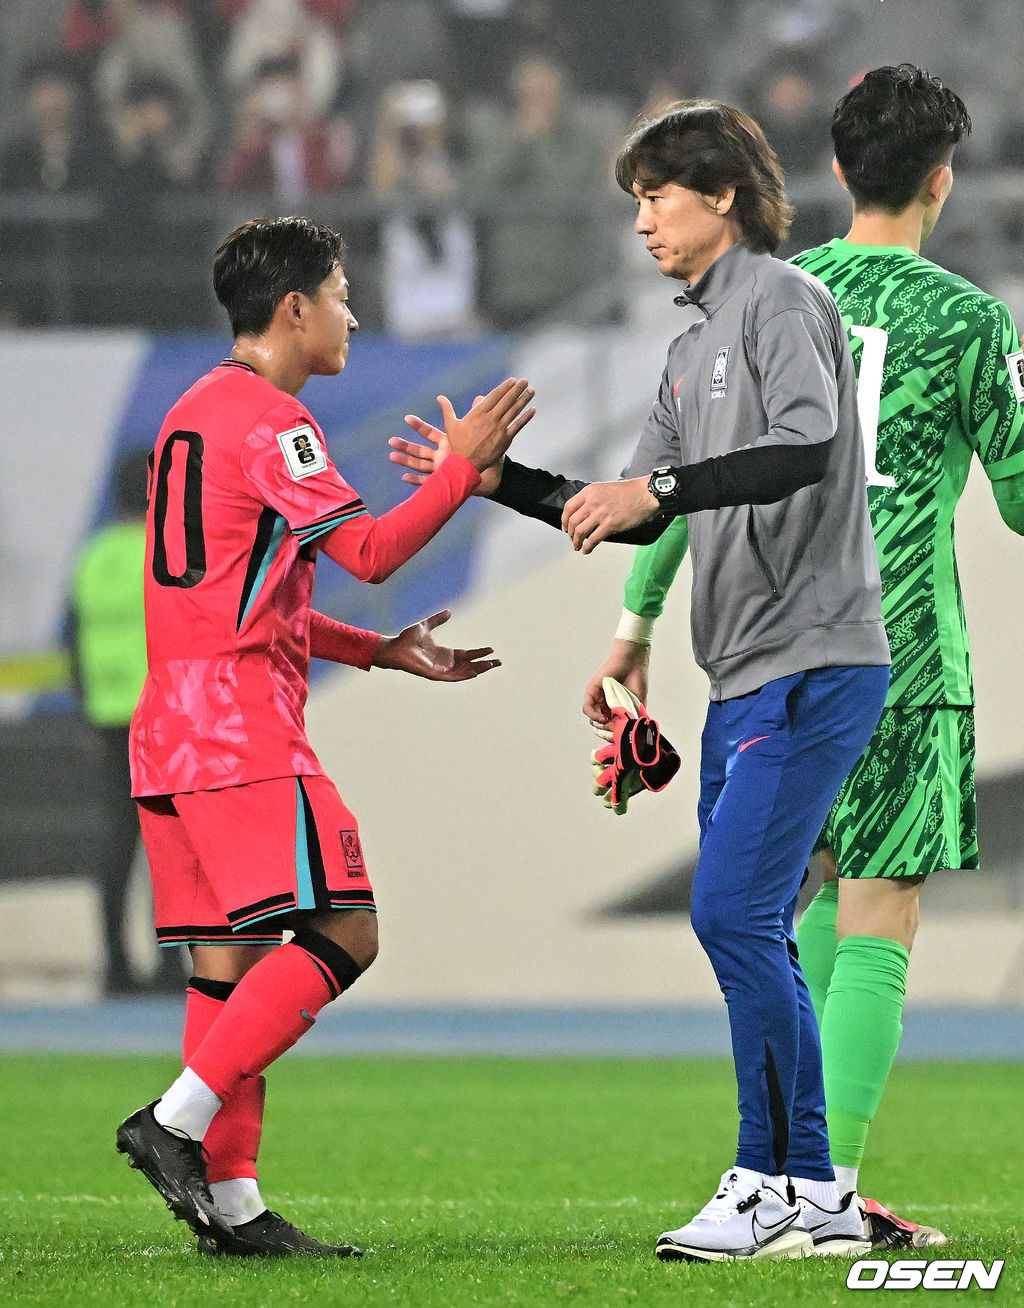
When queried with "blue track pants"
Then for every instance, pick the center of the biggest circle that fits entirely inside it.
(772, 763)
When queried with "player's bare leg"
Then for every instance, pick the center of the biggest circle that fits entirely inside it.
(885, 907)
(226, 962)
(354, 930)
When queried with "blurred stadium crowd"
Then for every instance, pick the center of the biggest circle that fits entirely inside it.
(463, 146)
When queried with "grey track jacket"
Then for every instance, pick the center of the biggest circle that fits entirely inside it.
(758, 408)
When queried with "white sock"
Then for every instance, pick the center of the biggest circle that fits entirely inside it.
(823, 1193)
(238, 1200)
(188, 1107)
(846, 1180)
(780, 1183)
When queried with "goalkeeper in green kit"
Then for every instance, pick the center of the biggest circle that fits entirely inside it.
(940, 379)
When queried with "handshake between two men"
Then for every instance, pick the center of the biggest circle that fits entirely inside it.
(636, 756)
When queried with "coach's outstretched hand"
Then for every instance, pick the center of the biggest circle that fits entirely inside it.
(415, 651)
(421, 460)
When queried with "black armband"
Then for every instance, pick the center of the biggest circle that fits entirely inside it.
(764, 474)
(535, 493)
(543, 495)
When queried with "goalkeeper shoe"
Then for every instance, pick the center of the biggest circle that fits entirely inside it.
(638, 756)
(747, 1218)
(887, 1231)
(842, 1232)
(270, 1236)
(173, 1165)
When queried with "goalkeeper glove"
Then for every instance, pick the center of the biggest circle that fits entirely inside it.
(638, 756)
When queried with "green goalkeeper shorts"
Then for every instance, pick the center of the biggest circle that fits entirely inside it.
(908, 807)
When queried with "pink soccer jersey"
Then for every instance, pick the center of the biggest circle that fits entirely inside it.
(241, 484)
(242, 494)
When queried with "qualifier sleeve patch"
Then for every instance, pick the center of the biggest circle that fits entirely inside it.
(304, 456)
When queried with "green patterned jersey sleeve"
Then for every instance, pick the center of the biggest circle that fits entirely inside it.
(654, 570)
(992, 397)
(1009, 493)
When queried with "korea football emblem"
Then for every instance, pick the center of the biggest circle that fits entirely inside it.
(303, 453)
(720, 373)
(353, 853)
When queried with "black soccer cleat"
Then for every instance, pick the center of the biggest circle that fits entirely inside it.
(173, 1165)
(270, 1236)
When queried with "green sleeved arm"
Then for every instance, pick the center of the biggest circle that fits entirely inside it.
(991, 405)
(1009, 495)
(654, 569)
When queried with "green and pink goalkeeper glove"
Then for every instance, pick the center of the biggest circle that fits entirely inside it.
(638, 757)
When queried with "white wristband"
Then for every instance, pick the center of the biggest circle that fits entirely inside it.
(634, 628)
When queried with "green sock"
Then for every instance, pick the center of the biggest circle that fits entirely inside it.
(816, 943)
(860, 1033)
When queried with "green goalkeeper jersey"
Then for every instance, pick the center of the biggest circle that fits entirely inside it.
(940, 377)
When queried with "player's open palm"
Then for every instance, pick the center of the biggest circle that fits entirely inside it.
(415, 651)
(482, 436)
(489, 428)
(421, 460)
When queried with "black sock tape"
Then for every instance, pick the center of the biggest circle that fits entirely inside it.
(340, 968)
(212, 989)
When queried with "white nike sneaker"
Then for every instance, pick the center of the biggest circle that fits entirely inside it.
(842, 1232)
(747, 1218)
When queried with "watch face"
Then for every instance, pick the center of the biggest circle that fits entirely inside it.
(664, 483)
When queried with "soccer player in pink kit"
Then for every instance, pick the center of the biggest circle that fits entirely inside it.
(244, 833)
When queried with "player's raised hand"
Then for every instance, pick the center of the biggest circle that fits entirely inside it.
(482, 436)
(489, 428)
(604, 508)
(421, 460)
(415, 651)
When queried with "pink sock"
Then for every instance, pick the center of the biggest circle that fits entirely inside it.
(232, 1143)
(274, 1004)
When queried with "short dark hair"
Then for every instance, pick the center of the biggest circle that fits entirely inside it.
(891, 129)
(265, 259)
(706, 146)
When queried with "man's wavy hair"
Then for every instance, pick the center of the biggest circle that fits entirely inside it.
(707, 146)
(264, 259)
(889, 132)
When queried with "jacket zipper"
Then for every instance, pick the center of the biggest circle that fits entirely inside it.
(761, 561)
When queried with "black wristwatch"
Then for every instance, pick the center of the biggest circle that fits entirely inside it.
(664, 486)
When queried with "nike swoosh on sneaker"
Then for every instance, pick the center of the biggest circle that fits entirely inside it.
(774, 1227)
(303, 1013)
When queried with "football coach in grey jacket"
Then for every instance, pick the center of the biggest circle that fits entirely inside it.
(754, 436)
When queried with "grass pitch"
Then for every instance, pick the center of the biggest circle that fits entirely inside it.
(476, 1181)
